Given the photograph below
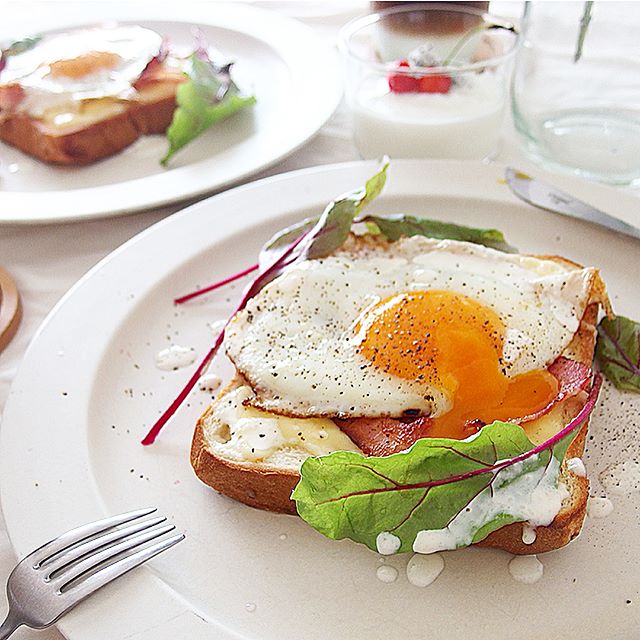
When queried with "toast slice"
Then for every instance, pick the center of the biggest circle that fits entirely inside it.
(96, 128)
(267, 484)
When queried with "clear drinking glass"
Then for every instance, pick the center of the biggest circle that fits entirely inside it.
(427, 80)
(581, 116)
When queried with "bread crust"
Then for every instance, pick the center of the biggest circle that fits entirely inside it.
(86, 144)
(270, 489)
(255, 485)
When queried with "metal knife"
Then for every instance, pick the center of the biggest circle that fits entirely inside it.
(547, 197)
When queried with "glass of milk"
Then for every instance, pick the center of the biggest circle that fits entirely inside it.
(427, 81)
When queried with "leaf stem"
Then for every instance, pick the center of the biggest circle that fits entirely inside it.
(584, 25)
(216, 285)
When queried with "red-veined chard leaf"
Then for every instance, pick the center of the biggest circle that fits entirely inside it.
(348, 495)
(398, 225)
(208, 96)
(282, 240)
(334, 225)
(618, 352)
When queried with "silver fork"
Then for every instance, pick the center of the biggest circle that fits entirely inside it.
(56, 576)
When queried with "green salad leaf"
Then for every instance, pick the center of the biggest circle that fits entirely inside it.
(431, 486)
(618, 352)
(398, 225)
(209, 96)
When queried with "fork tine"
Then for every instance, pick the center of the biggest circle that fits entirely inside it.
(81, 533)
(67, 576)
(109, 573)
(63, 558)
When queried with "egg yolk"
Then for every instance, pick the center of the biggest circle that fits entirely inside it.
(452, 342)
(84, 64)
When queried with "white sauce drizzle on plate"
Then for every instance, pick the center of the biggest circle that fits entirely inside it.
(423, 570)
(387, 573)
(526, 569)
(175, 357)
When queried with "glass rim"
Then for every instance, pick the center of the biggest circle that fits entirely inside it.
(357, 24)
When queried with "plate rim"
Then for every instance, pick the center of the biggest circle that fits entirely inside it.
(12, 468)
(113, 200)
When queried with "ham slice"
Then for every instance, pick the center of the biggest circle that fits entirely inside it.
(384, 436)
(154, 71)
(10, 96)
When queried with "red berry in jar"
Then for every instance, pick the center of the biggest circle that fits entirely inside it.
(434, 84)
(403, 84)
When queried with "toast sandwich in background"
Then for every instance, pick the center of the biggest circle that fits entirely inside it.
(76, 97)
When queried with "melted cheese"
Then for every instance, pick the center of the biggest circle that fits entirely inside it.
(249, 434)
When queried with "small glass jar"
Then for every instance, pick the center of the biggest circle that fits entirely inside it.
(577, 106)
(427, 80)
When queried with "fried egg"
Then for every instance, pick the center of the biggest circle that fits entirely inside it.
(81, 64)
(447, 329)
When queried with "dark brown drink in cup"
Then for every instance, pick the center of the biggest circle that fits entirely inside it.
(432, 21)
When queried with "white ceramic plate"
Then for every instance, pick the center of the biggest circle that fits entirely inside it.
(88, 390)
(293, 74)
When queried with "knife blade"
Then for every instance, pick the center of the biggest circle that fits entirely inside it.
(544, 196)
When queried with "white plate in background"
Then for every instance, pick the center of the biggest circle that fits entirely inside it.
(294, 75)
(88, 390)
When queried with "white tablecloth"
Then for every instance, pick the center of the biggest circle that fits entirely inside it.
(47, 260)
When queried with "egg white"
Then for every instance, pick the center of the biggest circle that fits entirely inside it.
(296, 341)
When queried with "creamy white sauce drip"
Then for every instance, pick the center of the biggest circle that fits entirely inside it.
(526, 569)
(576, 465)
(387, 543)
(533, 496)
(423, 570)
(175, 357)
(387, 573)
(529, 534)
(209, 382)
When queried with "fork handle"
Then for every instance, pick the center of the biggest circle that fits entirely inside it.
(10, 624)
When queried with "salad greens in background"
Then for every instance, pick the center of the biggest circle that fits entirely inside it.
(207, 97)
(20, 46)
(346, 494)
